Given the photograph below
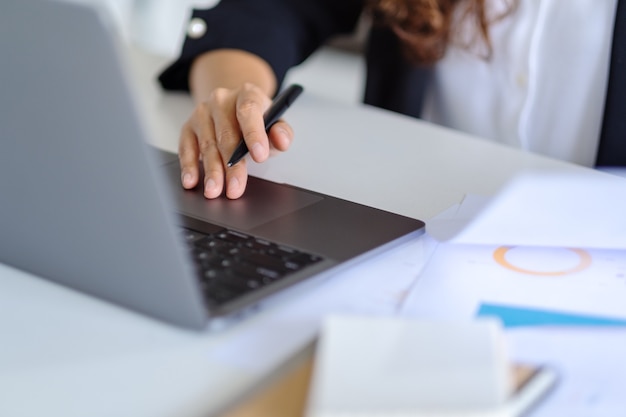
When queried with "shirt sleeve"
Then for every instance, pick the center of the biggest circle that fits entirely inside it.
(282, 32)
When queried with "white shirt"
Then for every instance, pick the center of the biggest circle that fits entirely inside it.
(544, 87)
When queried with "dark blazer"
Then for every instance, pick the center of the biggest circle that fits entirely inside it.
(286, 32)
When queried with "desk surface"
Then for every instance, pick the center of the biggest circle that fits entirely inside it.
(65, 353)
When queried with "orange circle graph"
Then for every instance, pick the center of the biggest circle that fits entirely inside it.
(584, 260)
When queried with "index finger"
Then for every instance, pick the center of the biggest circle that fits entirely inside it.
(250, 107)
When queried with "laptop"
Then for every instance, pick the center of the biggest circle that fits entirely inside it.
(88, 204)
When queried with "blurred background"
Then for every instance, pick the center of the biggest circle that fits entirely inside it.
(158, 27)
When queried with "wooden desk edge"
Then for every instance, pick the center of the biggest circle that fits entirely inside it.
(285, 393)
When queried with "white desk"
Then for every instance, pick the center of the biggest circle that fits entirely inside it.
(66, 354)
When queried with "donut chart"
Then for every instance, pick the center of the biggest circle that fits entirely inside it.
(582, 260)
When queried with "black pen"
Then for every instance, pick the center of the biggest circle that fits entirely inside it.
(280, 104)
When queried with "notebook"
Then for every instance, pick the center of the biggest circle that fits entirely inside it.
(88, 204)
(391, 366)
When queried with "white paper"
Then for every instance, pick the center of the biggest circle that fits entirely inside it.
(580, 282)
(553, 209)
(449, 223)
(574, 322)
(547, 257)
(590, 364)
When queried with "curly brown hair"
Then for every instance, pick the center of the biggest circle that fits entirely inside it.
(425, 27)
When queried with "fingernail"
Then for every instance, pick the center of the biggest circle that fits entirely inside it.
(284, 135)
(257, 151)
(283, 132)
(187, 180)
(233, 184)
(210, 186)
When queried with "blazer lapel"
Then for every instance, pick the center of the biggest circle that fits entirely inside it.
(612, 146)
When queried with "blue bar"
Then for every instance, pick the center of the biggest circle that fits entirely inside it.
(520, 316)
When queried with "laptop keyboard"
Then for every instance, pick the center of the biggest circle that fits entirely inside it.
(230, 263)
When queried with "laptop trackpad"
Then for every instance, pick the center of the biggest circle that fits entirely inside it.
(262, 202)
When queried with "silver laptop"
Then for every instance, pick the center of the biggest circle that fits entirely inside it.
(88, 204)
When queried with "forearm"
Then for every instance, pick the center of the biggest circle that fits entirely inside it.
(229, 68)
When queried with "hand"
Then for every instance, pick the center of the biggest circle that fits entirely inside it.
(214, 130)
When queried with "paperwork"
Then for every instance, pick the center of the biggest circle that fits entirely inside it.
(547, 257)
(549, 249)
(549, 209)
(545, 285)
(590, 364)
